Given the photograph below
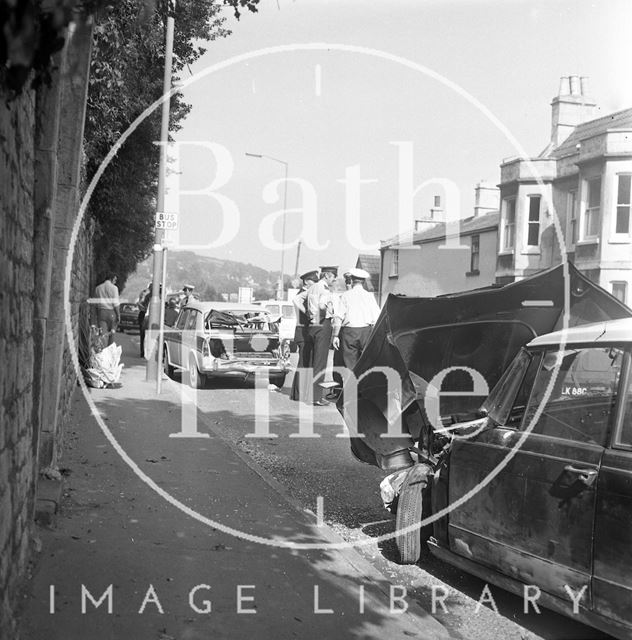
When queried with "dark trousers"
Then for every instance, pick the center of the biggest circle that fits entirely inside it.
(338, 362)
(300, 389)
(352, 343)
(321, 338)
(106, 319)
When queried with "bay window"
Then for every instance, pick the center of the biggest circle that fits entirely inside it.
(592, 215)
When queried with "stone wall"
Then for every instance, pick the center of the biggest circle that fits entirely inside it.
(81, 284)
(17, 463)
(20, 350)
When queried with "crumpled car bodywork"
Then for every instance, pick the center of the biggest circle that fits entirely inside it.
(215, 339)
(451, 343)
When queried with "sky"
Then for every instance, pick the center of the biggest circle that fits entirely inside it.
(363, 101)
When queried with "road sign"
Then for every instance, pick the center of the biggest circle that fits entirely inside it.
(167, 221)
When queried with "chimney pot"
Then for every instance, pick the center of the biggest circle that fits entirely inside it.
(583, 81)
(575, 90)
(564, 86)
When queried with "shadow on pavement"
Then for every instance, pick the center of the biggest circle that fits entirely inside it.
(118, 528)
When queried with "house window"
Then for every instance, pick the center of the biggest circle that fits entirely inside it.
(571, 216)
(394, 264)
(620, 291)
(474, 256)
(533, 231)
(593, 201)
(509, 229)
(623, 205)
(437, 202)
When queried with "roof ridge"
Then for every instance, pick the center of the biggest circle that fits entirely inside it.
(604, 117)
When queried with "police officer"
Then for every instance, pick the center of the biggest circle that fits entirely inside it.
(319, 309)
(356, 314)
(300, 391)
(187, 294)
(338, 361)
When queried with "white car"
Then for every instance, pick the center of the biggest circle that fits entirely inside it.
(221, 339)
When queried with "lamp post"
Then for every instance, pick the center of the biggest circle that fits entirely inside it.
(155, 311)
(280, 288)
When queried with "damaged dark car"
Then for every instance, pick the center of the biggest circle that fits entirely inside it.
(528, 485)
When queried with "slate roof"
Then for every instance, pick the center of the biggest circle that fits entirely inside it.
(468, 226)
(618, 120)
(370, 262)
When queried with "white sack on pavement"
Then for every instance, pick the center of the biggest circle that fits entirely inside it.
(105, 366)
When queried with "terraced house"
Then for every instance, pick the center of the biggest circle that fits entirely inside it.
(573, 198)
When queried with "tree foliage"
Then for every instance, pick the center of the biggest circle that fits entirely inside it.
(32, 31)
(126, 77)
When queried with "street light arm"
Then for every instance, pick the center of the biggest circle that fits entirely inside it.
(261, 155)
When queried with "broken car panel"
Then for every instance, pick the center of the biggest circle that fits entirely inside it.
(422, 338)
(542, 495)
(219, 339)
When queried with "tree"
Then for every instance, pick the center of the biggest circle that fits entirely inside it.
(126, 77)
(31, 31)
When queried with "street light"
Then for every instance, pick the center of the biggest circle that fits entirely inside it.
(280, 288)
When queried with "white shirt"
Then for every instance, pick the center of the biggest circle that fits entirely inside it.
(357, 308)
(318, 297)
(107, 295)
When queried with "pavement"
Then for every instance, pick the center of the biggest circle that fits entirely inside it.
(163, 538)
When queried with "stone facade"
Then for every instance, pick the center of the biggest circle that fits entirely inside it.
(571, 202)
(438, 258)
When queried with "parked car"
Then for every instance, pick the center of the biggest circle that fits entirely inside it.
(129, 316)
(538, 489)
(285, 313)
(221, 339)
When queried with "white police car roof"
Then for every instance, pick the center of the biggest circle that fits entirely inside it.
(607, 331)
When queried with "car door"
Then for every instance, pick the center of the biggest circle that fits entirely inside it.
(189, 335)
(174, 338)
(612, 574)
(533, 478)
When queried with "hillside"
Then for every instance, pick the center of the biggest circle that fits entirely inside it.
(210, 276)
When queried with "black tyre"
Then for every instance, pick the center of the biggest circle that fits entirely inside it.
(166, 367)
(278, 379)
(196, 379)
(409, 512)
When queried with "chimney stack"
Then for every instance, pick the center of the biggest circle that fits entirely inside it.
(571, 107)
(486, 198)
(436, 215)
